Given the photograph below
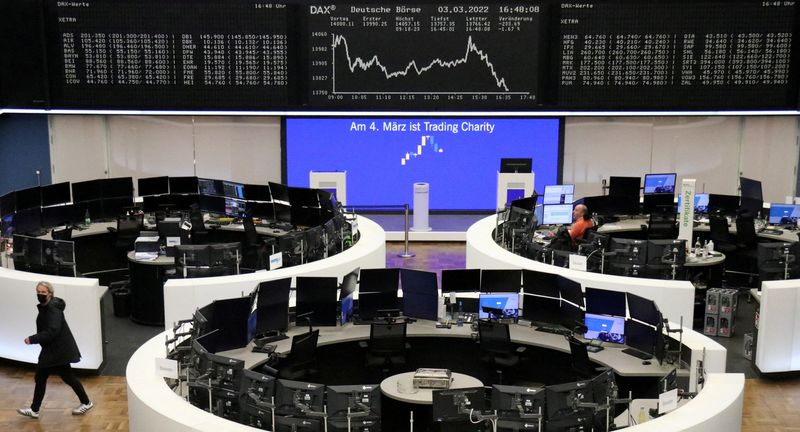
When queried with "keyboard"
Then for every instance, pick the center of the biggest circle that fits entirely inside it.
(553, 330)
(638, 354)
(772, 231)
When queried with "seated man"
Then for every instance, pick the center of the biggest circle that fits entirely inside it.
(581, 221)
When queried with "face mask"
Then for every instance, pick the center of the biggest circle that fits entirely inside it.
(42, 298)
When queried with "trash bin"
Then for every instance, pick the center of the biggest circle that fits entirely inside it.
(122, 302)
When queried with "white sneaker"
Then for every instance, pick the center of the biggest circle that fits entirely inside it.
(27, 412)
(82, 409)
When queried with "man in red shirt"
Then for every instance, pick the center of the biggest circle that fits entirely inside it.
(581, 221)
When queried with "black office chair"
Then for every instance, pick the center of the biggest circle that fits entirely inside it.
(199, 233)
(496, 347)
(253, 249)
(387, 347)
(723, 241)
(581, 365)
(128, 229)
(301, 362)
(662, 226)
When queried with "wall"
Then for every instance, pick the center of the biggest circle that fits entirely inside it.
(715, 150)
(24, 148)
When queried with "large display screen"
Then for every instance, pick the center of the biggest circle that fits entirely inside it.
(457, 157)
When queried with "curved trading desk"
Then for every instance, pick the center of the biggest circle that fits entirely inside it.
(183, 296)
(152, 405)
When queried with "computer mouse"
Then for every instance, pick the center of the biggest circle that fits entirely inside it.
(647, 362)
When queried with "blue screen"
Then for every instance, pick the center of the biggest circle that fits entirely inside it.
(659, 183)
(700, 203)
(783, 213)
(458, 157)
(605, 328)
(508, 302)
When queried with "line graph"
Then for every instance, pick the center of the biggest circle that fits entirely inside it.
(412, 66)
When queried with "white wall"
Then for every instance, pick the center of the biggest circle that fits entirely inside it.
(715, 150)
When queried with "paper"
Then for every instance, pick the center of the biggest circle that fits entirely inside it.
(577, 262)
(276, 261)
(167, 368)
(668, 401)
(145, 256)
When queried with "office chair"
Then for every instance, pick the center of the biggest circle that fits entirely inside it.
(662, 226)
(128, 229)
(252, 247)
(387, 347)
(301, 361)
(723, 241)
(62, 234)
(496, 347)
(581, 365)
(199, 232)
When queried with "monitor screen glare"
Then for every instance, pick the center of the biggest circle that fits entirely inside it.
(559, 194)
(507, 302)
(659, 183)
(605, 328)
(557, 214)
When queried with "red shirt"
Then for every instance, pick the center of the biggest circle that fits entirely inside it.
(579, 228)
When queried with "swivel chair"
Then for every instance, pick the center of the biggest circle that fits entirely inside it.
(719, 234)
(253, 248)
(128, 228)
(581, 365)
(496, 347)
(662, 226)
(387, 347)
(199, 232)
(301, 361)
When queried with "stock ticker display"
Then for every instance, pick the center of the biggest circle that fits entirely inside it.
(298, 55)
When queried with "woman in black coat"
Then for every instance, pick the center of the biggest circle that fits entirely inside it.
(58, 351)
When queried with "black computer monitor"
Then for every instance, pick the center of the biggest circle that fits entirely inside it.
(778, 261)
(379, 280)
(751, 189)
(570, 290)
(571, 316)
(317, 300)
(516, 165)
(628, 251)
(8, 204)
(605, 390)
(600, 205)
(605, 328)
(349, 283)
(658, 203)
(211, 187)
(283, 212)
(279, 192)
(641, 337)
(183, 185)
(725, 204)
(541, 310)
(28, 221)
(605, 302)
(784, 214)
(151, 186)
(254, 192)
(117, 187)
(55, 194)
(563, 410)
(233, 190)
(461, 280)
(227, 371)
(192, 256)
(557, 214)
(642, 309)
(60, 215)
(87, 191)
(517, 402)
(624, 186)
(501, 280)
(289, 393)
(449, 405)
(257, 388)
(361, 400)
(297, 424)
(498, 305)
(666, 252)
(29, 198)
(420, 294)
(272, 307)
(303, 197)
(235, 208)
(214, 205)
(540, 283)
(374, 304)
(559, 194)
(660, 183)
(230, 318)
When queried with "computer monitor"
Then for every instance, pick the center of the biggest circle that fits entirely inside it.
(557, 214)
(420, 294)
(374, 304)
(289, 395)
(751, 189)
(297, 424)
(642, 309)
(605, 302)
(317, 296)
(726, 204)
(8, 204)
(563, 410)
(117, 187)
(361, 400)
(628, 251)
(29, 198)
(516, 165)
(230, 319)
(233, 190)
(570, 290)
(60, 215)
(303, 197)
(86, 191)
(559, 194)
(257, 395)
(605, 328)
(379, 280)
(227, 371)
(235, 208)
(658, 203)
(517, 402)
(666, 383)
(461, 280)
(660, 183)
(600, 205)
(182, 185)
(210, 187)
(541, 310)
(778, 261)
(640, 337)
(784, 214)
(151, 186)
(624, 186)
(253, 192)
(28, 221)
(571, 316)
(501, 280)
(456, 404)
(55, 194)
(700, 203)
(666, 252)
(501, 305)
(279, 192)
(272, 310)
(349, 283)
(540, 283)
(605, 389)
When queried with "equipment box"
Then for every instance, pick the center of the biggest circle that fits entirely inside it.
(710, 325)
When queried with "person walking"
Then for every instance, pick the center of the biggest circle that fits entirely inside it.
(58, 351)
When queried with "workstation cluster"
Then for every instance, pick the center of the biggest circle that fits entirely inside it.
(228, 367)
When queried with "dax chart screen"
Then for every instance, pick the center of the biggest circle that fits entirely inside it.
(458, 157)
(429, 55)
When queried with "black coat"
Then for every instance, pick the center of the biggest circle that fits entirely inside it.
(54, 335)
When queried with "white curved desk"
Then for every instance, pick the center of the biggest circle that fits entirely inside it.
(422, 396)
(183, 296)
